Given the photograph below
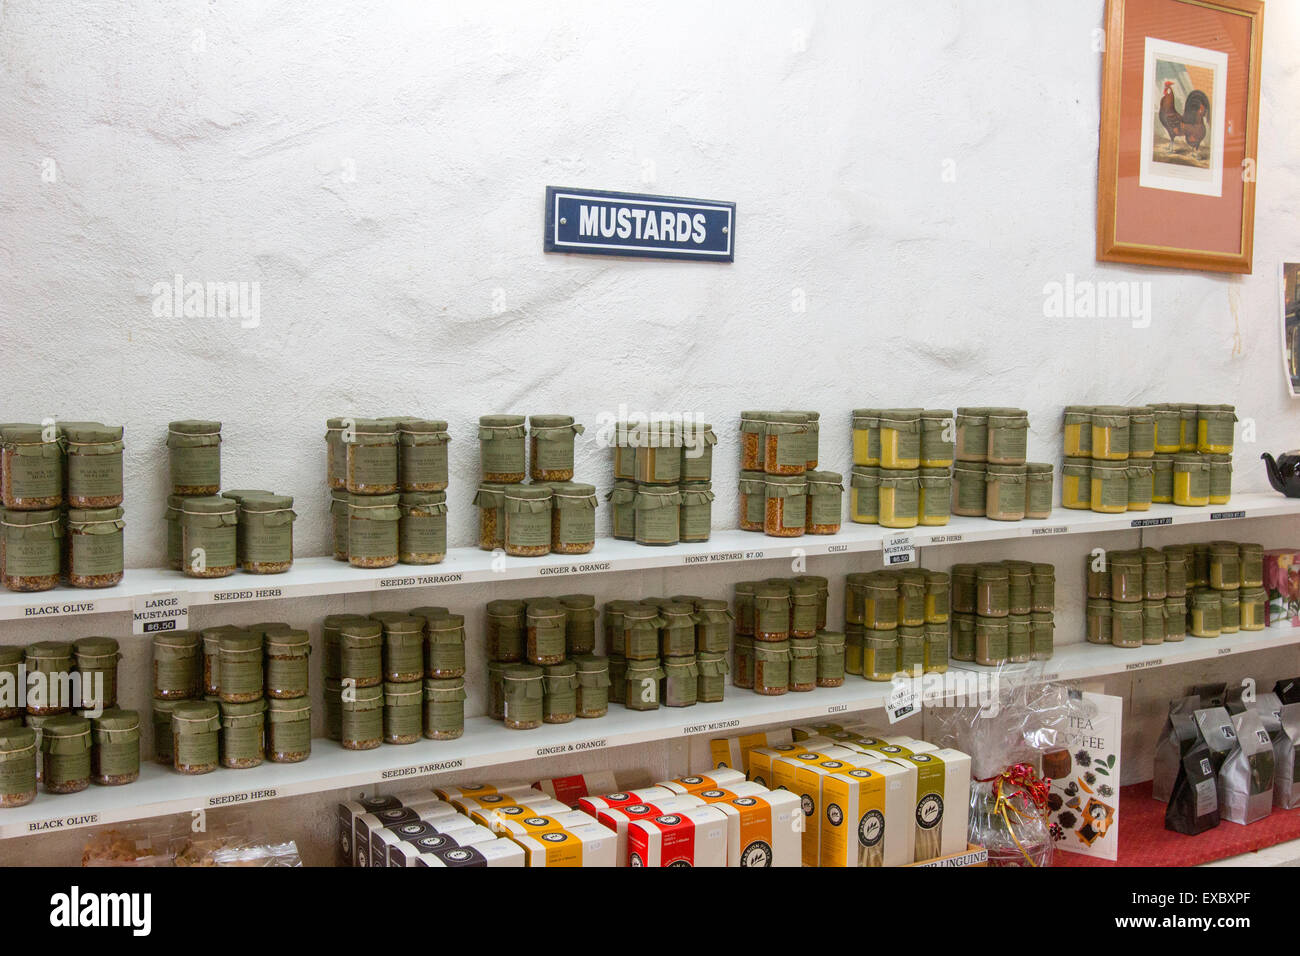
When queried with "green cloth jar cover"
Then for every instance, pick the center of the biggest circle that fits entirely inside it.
(422, 454)
(963, 636)
(712, 667)
(176, 673)
(1220, 476)
(115, 759)
(1141, 484)
(677, 633)
(403, 648)
(969, 488)
(65, 754)
(1043, 625)
(641, 624)
(697, 453)
(33, 464)
(1198, 468)
(771, 667)
(712, 625)
(1020, 638)
(372, 530)
(681, 681)
(938, 435)
(422, 527)
(209, 536)
(240, 663)
(830, 658)
(361, 717)
(935, 502)
(18, 760)
(502, 451)
(593, 685)
(243, 734)
(286, 668)
(528, 519)
(1217, 421)
(444, 708)
(579, 623)
(1038, 489)
(551, 438)
(1005, 494)
(804, 601)
(1162, 478)
(265, 532)
(95, 656)
(1008, 432)
(196, 736)
(403, 711)
(1079, 416)
(696, 511)
(622, 499)
(641, 684)
(825, 505)
(370, 456)
(1099, 620)
(31, 552)
(1126, 625)
(1141, 432)
(94, 464)
(864, 494)
(490, 499)
(1153, 621)
(445, 647)
(1081, 469)
(288, 730)
(94, 546)
(194, 457)
(788, 431)
(361, 643)
(573, 518)
(803, 663)
(339, 501)
(1112, 477)
(658, 515)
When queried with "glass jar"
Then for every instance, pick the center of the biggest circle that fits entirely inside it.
(962, 578)
(659, 455)
(864, 494)
(1043, 626)
(880, 601)
(504, 634)
(855, 596)
(811, 438)
(622, 501)
(785, 443)
(579, 623)
(403, 648)
(1225, 566)
(370, 457)
(422, 454)
(1020, 639)
(545, 622)
(333, 709)
(1153, 574)
(681, 681)
(243, 734)
(403, 712)
(18, 760)
(696, 518)
(444, 708)
(771, 613)
(1251, 606)
(623, 442)
(1220, 490)
(937, 597)
(115, 757)
(1078, 431)
(501, 448)
(1142, 432)
(491, 502)
(900, 439)
(641, 623)
(209, 536)
(803, 608)
(911, 598)
(1110, 433)
(1207, 613)
(1175, 570)
(94, 465)
(1191, 480)
(772, 668)
(744, 592)
(1008, 434)
(1252, 565)
(94, 547)
(830, 658)
(1005, 492)
(992, 590)
(361, 643)
(972, 435)
(592, 693)
(1076, 484)
(825, 504)
(1153, 621)
(899, 499)
(1229, 612)
(176, 674)
(335, 454)
(1187, 426)
(753, 427)
(853, 638)
(938, 433)
(65, 743)
(11, 661)
(265, 533)
(286, 664)
(711, 682)
(697, 452)
(1168, 439)
(196, 736)
(641, 685)
(550, 445)
(866, 437)
(496, 707)
(172, 518)
(1109, 494)
(194, 457)
(339, 502)
(53, 661)
(362, 718)
(612, 625)
(803, 664)
(712, 625)
(1162, 479)
(1175, 618)
(96, 659)
(880, 654)
(1126, 625)
(1038, 489)
(1042, 583)
(658, 516)
(785, 514)
(162, 729)
(742, 674)
(617, 677)
(1214, 429)
(677, 633)
(288, 730)
(992, 641)
(823, 595)
(422, 527)
(1125, 576)
(963, 637)
(1019, 586)
(528, 520)
(1141, 484)
(934, 497)
(1200, 574)
(240, 667)
(573, 517)
(969, 489)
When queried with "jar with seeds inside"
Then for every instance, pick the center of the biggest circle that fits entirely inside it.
(786, 506)
(115, 756)
(403, 712)
(370, 457)
(94, 465)
(194, 457)
(240, 667)
(30, 554)
(372, 531)
(243, 733)
(265, 533)
(362, 718)
(550, 447)
(573, 517)
(753, 427)
(528, 520)
(176, 667)
(422, 454)
(209, 536)
(18, 760)
(502, 453)
(65, 754)
(422, 529)
(825, 505)
(785, 436)
(288, 730)
(286, 667)
(96, 659)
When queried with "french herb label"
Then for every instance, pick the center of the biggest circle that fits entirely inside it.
(1053, 529)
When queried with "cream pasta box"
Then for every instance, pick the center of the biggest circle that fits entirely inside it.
(619, 819)
(496, 853)
(621, 798)
(942, 801)
(493, 816)
(693, 837)
(763, 829)
(733, 752)
(569, 790)
(866, 817)
(525, 825)
(902, 747)
(404, 844)
(714, 780)
(586, 845)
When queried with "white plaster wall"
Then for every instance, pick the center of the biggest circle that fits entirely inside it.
(380, 173)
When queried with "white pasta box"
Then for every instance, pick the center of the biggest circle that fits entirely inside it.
(500, 798)
(350, 853)
(714, 780)
(585, 846)
(763, 829)
(867, 816)
(622, 798)
(733, 752)
(492, 816)
(569, 790)
(693, 837)
(477, 789)
(942, 801)
(495, 853)
(746, 788)
(370, 825)
(534, 825)
(402, 845)
(620, 819)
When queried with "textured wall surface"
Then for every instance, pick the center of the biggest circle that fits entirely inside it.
(380, 175)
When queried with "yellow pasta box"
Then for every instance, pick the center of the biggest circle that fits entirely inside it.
(587, 845)
(534, 825)
(501, 798)
(785, 765)
(942, 801)
(491, 815)
(761, 758)
(867, 816)
(803, 777)
(763, 829)
(733, 752)
(478, 789)
(746, 788)
(822, 729)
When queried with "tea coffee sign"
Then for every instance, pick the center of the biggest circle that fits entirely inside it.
(604, 223)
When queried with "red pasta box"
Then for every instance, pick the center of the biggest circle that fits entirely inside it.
(1282, 581)
(569, 790)
(620, 820)
(692, 838)
(622, 798)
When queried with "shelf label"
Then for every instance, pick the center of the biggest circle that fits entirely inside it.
(419, 580)
(837, 709)
(62, 823)
(836, 548)
(597, 744)
(710, 726)
(1149, 522)
(710, 558)
(160, 611)
(754, 555)
(945, 538)
(247, 594)
(243, 796)
(1218, 515)
(1141, 665)
(1225, 650)
(1051, 529)
(903, 701)
(574, 568)
(421, 768)
(60, 610)
(899, 548)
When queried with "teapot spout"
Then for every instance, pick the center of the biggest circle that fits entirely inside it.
(1274, 477)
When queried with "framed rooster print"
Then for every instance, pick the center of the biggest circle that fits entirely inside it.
(1179, 126)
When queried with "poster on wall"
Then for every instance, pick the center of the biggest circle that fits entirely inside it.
(1290, 291)
(1179, 124)
(1084, 804)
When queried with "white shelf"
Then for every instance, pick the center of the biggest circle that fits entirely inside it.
(315, 576)
(487, 743)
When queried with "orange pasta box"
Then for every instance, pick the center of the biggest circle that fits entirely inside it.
(496, 853)
(569, 790)
(496, 798)
(478, 789)
(622, 798)
(585, 845)
(746, 788)
(763, 829)
(733, 752)
(693, 837)
(942, 801)
(866, 816)
(532, 826)
(714, 780)
(620, 819)
(492, 815)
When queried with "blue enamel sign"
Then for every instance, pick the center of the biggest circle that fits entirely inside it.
(603, 223)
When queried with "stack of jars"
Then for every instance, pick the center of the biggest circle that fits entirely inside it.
(782, 493)
(542, 662)
(1151, 596)
(550, 514)
(60, 505)
(782, 643)
(231, 696)
(896, 622)
(991, 478)
(394, 676)
(663, 481)
(901, 466)
(1120, 458)
(388, 490)
(65, 743)
(1003, 612)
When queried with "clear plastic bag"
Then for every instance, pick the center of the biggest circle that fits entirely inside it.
(266, 854)
(123, 845)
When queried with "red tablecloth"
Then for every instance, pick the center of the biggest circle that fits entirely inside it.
(1144, 841)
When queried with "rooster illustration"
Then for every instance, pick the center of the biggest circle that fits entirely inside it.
(1190, 124)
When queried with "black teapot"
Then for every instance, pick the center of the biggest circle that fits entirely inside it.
(1284, 473)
